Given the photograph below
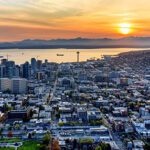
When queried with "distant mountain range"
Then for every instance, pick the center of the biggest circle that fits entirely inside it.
(80, 43)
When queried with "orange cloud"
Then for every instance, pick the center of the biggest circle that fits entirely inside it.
(45, 19)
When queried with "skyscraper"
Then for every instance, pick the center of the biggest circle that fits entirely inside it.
(39, 64)
(26, 70)
(19, 85)
(5, 84)
(33, 64)
(3, 61)
(2, 71)
(10, 67)
(14, 85)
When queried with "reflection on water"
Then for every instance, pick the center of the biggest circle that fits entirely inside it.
(69, 55)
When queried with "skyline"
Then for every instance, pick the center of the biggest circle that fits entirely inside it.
(47, 19)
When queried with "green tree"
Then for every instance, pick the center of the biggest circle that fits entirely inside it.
(46, 139)
(98, 148)
(86, 141)
(147, 147)
(17, 126)
(103, 146)
(1, 130)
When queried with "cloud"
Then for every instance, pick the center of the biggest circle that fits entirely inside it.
(15, 33)
(98, 17)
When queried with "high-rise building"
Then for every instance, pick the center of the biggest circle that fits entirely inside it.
(19, 85)
(33, 64)
(5, 84)
(14, 85)
(26, 70)
(3, 61)
(46, 62)
(39, 64)
(10, 66)
(2, 71)
(17, 71)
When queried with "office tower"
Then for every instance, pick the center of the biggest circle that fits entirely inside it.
(5, 84)
(46, 62)
(39, 64)
(33, 64)
(19, 86)
(3, 61)
(2, 71)
(14, 85)
(10, 65)
(26, 70)
(17, 71)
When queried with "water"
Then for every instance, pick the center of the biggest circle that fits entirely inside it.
(22, 55)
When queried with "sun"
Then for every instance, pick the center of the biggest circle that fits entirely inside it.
(125, 28)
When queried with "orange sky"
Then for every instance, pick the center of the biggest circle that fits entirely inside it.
(47, 19)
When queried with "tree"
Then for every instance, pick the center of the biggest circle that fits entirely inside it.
(8, 91)
(31, 113)
(7, 108)
(74, 143)
(131, 105)
(10, 134)
(46, 139)
(17, 126)
(56, 145)
(9, 128)
(147, 147)
(98, 148)
(86, 141)
(67, 141)
(25, 119)
(25, 128)
(1, 130)
(103, 146)
(29, 136)
(42, 147)
(41, 108)
(96, 122)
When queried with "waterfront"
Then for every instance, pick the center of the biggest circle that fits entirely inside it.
(22, 55)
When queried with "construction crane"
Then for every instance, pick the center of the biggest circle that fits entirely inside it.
(7, 56)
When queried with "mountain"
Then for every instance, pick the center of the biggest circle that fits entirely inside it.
(128, 42)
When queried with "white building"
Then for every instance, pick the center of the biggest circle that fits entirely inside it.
(5, 84)
(15, 85)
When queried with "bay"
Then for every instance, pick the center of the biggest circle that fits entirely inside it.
(69, 55)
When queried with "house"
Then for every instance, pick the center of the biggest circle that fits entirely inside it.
(82, 114)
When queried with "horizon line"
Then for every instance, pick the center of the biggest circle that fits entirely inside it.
(86, 38)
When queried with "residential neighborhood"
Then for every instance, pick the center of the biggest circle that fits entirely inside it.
(95, 104)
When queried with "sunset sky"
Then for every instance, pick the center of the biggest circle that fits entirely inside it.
(47, 19)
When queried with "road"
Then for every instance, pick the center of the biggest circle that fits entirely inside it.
(118, 141)
(115, 136)
(54, 88)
